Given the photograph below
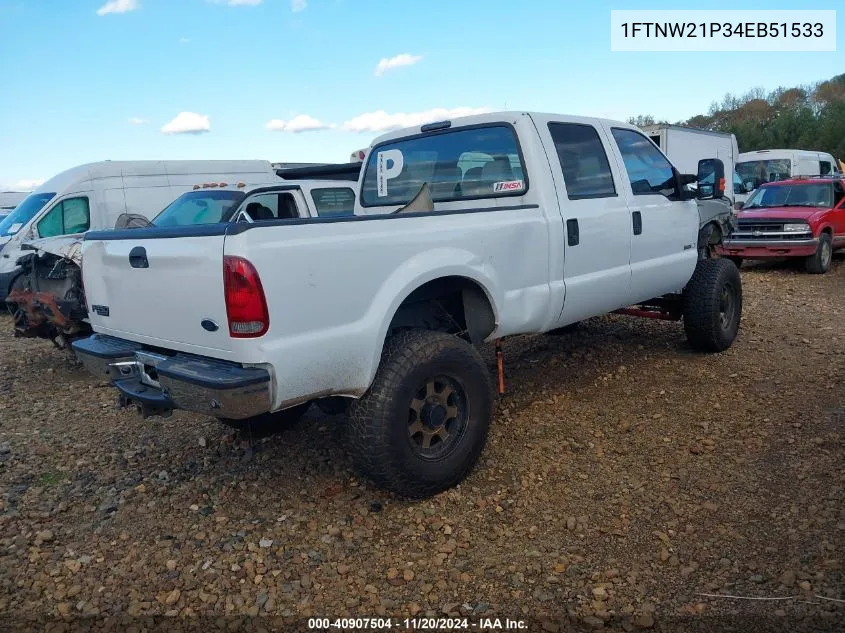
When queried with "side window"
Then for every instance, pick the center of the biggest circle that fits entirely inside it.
(838, 193)
(51, 224)
(459, 164)
(66, 218)
(825, 168)
(334, 201)
(272, 206)
(583, 161)
(648, 170)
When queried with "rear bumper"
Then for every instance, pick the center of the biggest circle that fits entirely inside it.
(754, 249)
(160, 383)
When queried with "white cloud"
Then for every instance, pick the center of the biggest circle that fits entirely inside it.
(299, 123)
(405, 59)
(298, 5)
(188, 123)
(137, 121)
(381, 121)
(23, 185)
(184, 40)
(118, 6)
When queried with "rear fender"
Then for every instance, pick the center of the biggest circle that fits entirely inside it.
(417, 271)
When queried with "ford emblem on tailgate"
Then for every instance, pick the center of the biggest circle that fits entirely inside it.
(210, 325)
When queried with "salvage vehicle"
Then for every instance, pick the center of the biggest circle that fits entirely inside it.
(464, 232)
(48, 300)
(798, 218)
(94, 195)
(772, 165)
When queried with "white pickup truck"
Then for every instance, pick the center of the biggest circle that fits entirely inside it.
(464, 232)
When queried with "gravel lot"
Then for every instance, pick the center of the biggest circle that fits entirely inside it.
(625, 476)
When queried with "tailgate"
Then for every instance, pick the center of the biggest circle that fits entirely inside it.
(159, 287)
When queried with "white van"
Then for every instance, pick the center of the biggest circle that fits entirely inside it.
(94, 195)
(769, 165)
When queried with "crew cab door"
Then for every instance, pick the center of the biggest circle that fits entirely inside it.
(664, 228)
(596, 221)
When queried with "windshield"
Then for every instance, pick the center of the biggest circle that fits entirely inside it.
(199, 207)
(805, 195)
(759, 172)
(23, 213)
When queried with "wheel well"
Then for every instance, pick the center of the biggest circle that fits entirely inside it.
(456, 305)
(828, 230)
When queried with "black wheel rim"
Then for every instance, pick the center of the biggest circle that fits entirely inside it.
(727, 307)
(437, 417)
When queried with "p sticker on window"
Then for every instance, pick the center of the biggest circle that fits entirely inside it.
(389, 164)
(508, 185)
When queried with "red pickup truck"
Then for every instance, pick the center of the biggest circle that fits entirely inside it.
(801, 217)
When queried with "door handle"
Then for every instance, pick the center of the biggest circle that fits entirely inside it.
(138, 257)
(637, 218)
(572, 236)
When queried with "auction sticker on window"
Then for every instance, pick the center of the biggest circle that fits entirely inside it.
(508, 185)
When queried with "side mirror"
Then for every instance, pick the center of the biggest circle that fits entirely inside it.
(749, 186)
(711, 178)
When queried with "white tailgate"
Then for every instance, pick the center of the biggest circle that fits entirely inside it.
(164, 303)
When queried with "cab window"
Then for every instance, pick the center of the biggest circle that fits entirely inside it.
(275, 205)
(68, 217)
(583, 161)
(333, 201)
(461, 164)
(648, 170)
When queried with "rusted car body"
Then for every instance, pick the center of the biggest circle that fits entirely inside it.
(47, 300)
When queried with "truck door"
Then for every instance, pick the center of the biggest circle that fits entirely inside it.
(663, 229)
(596, 220)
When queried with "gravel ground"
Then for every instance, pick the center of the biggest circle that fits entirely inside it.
(624, 477)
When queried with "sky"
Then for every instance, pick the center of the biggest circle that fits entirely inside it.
(315, 80)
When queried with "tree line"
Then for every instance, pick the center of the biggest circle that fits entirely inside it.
(807, 117)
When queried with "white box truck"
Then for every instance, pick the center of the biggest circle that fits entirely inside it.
(685, 146)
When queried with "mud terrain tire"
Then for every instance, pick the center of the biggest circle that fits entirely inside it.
(713, 305)
(421, 427)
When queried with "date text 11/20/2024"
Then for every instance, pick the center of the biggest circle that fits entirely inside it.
(416, 624)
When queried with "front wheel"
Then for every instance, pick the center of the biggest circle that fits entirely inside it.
(268, 423)
(819, 262)
(736, 260)
(713, 305)
(421, 427)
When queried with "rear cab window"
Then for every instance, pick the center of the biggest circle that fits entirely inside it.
(462, 164)
(334, 201)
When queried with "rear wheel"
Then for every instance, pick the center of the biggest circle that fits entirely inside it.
(819, 262)
(268, 423)
(713, 305)
(421, 427)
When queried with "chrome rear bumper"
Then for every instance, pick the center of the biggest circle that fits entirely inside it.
(159, 383)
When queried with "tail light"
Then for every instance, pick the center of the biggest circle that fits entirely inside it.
(246, 306)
